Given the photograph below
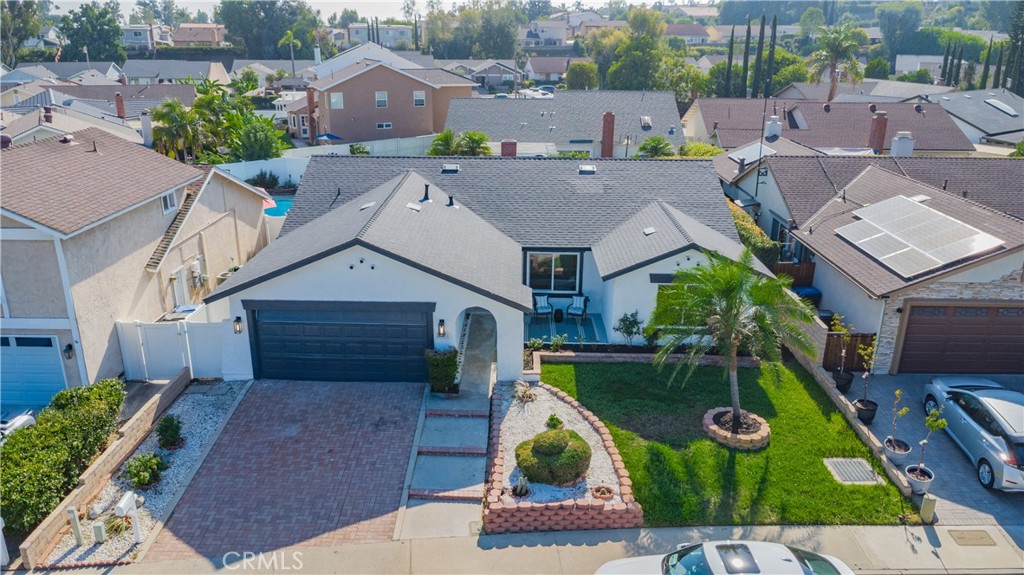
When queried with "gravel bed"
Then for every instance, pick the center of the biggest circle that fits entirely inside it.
(202, 408)
(522, 421)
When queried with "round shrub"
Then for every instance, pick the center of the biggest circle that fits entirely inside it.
(555, 457)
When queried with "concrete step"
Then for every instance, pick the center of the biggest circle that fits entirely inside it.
(427, 519)
(475, 495)
(462, 405)
(439, 474)
(454, 432)
(454, 451)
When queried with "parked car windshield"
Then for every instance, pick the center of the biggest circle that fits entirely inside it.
(812, 563)
(686, 561)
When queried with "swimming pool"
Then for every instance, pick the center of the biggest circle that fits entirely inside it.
(284, 203)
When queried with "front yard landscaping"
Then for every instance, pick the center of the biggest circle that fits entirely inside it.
(681, 477)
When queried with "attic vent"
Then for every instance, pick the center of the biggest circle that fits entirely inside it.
(645, 122)
(920, 198)
(966, 96)
(587, 169)
(649, 231)
(413, 207)
(1002, 107)
(367, 206)
(449, 168)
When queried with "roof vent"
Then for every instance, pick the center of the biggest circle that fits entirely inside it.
(920, 198)
(67, 139)
(413, 207)
(367, 206)
(587, 169)
(645, 122)
(449, 168)
(967, 96)
(649, 231)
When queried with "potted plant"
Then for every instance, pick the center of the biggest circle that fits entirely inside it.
(897, 450)
(843, 378)
(866, 409)
(442, 366)
(919, 476)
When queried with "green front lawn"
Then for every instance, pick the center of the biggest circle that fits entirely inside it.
(681, 477)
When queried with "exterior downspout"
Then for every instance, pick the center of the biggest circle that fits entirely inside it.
(881, 320)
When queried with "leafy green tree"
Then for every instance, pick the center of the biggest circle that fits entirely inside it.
(656, 147)
(996, 76)
(247, 81)
(716, 80)
(293, 44)
(258, 140)
(637, 59)
(472, 143)
(179, 130)
(348, 16)
(19, 21)
(699, 150)
(812, 19)
(258, 25)
(728, 306)
(581, 76)
(898, 21)
(922, 76)
(685, 80)
(602, 46)
(728, 60)
(945, 63)
(444, 144)
(93, 27)
(790, 74)
(836, 48)
(358, 150)
(1018, 151)
(877, 68)
(408, 9)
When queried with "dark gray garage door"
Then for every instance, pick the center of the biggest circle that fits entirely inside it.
(342, 341)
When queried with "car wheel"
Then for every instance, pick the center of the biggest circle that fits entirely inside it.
(985, 474)
(929, 404)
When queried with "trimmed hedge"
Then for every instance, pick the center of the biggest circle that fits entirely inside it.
(40, 465)
(441, 368)
(763, 247)
(555, 457)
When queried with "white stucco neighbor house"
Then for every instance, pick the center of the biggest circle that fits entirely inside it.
(383, 257)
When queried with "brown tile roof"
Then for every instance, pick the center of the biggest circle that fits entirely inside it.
(68, 186)
(690, 30)
(846, 125)
(211, 33)
(184, 92)
(875, 184)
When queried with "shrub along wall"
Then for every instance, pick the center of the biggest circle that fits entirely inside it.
(763, 247)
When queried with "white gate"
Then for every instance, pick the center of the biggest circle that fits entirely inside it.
(153, 351)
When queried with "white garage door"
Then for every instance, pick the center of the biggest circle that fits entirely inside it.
(30, 371)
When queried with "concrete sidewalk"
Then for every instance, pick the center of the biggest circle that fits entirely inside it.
(868, 550)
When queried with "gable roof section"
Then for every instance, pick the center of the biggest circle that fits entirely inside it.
(574, 115)
(69, 187)
(553, 64)
(67, 120)
(874, 185)
(881, 89)
(286, 65)
(688, 30)
(972, 107)
(486, 261)
(367, 51)
(728, 169)
(152, 92)
(363, 66)
(64, 70)
(440, 78)
(169, 69)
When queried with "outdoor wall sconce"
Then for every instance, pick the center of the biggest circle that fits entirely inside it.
(237, 324)
(69, 351)
(441, 331)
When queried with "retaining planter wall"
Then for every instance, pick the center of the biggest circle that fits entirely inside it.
(575, 514)
(598, 357)
(37, 546)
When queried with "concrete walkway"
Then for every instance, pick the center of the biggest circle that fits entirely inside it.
(868, 550)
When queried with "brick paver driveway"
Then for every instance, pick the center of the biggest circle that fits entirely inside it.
(299, 464)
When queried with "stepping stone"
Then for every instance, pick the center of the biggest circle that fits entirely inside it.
(454, 432)
(448, 473)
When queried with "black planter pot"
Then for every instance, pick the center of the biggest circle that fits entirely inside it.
(866, 410)
(843, 379)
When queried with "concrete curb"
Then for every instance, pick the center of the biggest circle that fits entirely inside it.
(413, 454)
(162, 520)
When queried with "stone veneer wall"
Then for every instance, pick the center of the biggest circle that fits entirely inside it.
(1008, 287)
(589, 513)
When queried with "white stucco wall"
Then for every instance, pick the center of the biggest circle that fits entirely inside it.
(840, 295)
(330, 279)
(767, 193)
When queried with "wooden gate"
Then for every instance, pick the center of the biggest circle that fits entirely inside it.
(833, 355)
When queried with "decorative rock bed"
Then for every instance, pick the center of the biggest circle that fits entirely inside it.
(742, 441)
(202, 408)
(549, 507)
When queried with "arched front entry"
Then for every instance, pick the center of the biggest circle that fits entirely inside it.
(478, 345)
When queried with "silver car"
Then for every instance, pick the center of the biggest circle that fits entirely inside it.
(987, 421)
(729, 558)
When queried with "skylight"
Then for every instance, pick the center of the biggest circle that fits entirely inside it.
(449, 168)
(649, 231)
(1002, 107)
(367, 206)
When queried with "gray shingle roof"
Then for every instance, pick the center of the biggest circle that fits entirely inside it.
(440, 77)
(67, 69)
(873, 185)
(169, 69)
(972, 108)
(485, 261)
(887, 89)
(158, 92)
(575, 115)
(285, 65)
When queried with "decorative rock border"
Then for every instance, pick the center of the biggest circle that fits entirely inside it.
(743, 441)
(589, 513)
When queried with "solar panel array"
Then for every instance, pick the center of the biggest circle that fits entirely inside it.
(910, 238)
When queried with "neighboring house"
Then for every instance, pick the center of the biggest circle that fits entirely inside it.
(488, 73)
(414, 56)
(173, 71)
(838, 128)
(195, 34)
(706, 62)
(398, 36)
(907, 63)
(418, 243)
(356, 54)
(589, 26)
(304, 69)
(545, 33)
(867, 91)
(47, 38)
(68, 70)
(987, 116)
(705, 13)
(146, 36)
(549, 68)
(339, 36)
(573, 20)
(372, 100)
(136, 98)
(19, 92)
(603, 123)
(136, 236)
(692, 34)
(49, 122)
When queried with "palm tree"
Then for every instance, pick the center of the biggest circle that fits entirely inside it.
(656, 147)
(728, 306)
(837, 46)
(472, 144)
(180, 129)
(293, 44)
(444, 144)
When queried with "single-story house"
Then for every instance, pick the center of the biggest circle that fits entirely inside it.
(549, 68)
(488, 73)
(382, 257)
(692, 34)
(173, 71)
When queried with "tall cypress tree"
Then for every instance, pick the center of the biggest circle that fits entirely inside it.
(997, 77)
(1015, 83)
(945, 65)
(728, 68)
(757, 60)
(746, 63)
(958, 64)
(770, 70)
(984, 71)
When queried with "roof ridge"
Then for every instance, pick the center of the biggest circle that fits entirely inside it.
(679, 227)
(385, 202)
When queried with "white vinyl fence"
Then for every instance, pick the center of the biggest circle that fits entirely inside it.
(159, 350)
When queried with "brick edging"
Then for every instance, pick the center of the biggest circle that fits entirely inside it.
(81, 565)
(578, 514)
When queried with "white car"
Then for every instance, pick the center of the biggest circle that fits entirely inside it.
(729, 558)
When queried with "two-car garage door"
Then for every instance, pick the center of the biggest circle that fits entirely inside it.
(340, 341)
(963, 338)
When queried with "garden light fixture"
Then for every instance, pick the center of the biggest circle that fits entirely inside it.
(441, 331)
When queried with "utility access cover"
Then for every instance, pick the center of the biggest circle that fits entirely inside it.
(971, 538)
(852, 471)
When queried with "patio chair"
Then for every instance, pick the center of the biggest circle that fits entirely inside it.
(541, 305)
(578, 307)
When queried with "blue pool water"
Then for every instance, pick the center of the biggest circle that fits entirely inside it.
(283, 204)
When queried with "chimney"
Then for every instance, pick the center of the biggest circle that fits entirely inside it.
(608, 135)
(876, 138)
(508, 148)
(123, 79)
(310, 108)
(772, 129)
(119, 103)
(48, 114)
(902, 145)
(147, 129)
(316, 55)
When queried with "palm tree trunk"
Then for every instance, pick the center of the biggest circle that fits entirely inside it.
(291, 51)
(734, 385)
(834, 79)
